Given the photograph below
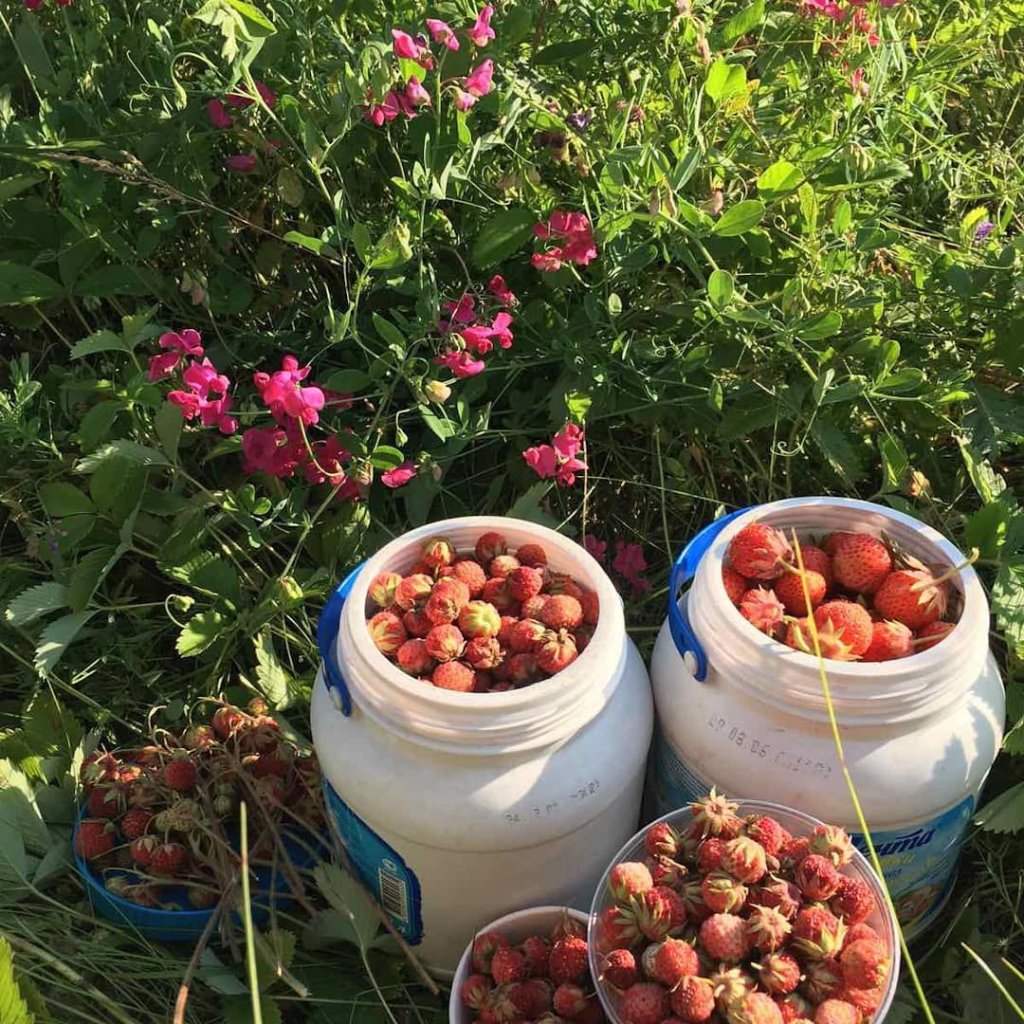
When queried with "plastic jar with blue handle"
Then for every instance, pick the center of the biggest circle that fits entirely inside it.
(747, 714)
(456, 808)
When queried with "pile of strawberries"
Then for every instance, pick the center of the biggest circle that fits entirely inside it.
(483, 622)
(159, 825)
(869, 601)
(539, 979)
(734, 920)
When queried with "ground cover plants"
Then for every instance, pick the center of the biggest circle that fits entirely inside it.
(279, 281)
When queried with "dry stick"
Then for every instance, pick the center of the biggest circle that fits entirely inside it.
(193, 964)
(339, 849)
(852, 789)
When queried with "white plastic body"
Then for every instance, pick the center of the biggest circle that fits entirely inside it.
(919, 734)
(493, 801)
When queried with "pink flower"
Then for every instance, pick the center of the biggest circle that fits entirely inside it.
(500, 330)
(241, 163)
(551, 259)
(461, 363)
(558, 459)
(330, 459)
(827, 8)
(415, 93)
(481, 30)
(857, 84)
(241, 99)
(568, 441)
(630, 562)
(267, 94)
(891, 3)
(542, 460)
(861, 24)
(189, 342)
(404, 45)
(441, 33)
(33, 5)
(500, 290)
(399, 476)
(574, 229)
(478, 81)
(461, 312)
(260, 447)
(218, 115)
(379, 113)
(162, 364)
(463, 100)
(597, 548)
(285, 398)
(187, 401)
(202, 378)
(478, 337)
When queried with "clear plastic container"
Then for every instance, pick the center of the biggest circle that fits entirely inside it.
(742, 712)
(458, 807)
(795, 822)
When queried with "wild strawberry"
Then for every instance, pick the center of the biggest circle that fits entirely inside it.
(830, 544)
(496, 591)
(863, 931)
(724, 938)
(537, 950)
(591, 605)
(620, 970)
(468, 572)
(444, 643)
(853, 901)
(780, 895)
(105, 801)
(198, 737)
(865, 964)
(759, 552)
(561, 611)
(97, 767)
(793, 851)
(525, 582)
(889, 640)
(730, 985)
(483, 652)
(762, 609)
(479, 619)
(930, 634)
(860, 562)
(135, 822)
(526, 635)
(836, 1011)
(693, 999)
(817, 878)
(709, 855)
(414, 658)
(382, 588)
(779, 973)
(508, 965)
(744, 859)
(630, 878)
(180, 775)
(485, 945)
(715, 815)
(508, 624)
(442, 609)
(567, 963)
(723, 893)
(661, 840)
(735, 584)
(94, 839)
(387, 632)
(453, 588)
(167, 859)
(437, 551)
(832, 842)
(561, 583)
(844, 628)
(756, 1008)
(416, 623)
(503, 566)
(454, 675)
(816, 560)
(556, 652)
(668, 961)
(911, 596)
(532, 555)
(867, 1000)
(522, 668)
(617, 929)
(789, 589)
(817, 933)
(489, 545)
(532, 998)
(227, 721)
(569, 1001)
(672, 901)
(413, 591)
(142, 848)
(766, 831)
(530, 608)
(768, 929)
(795, 1009)
(643, 1003)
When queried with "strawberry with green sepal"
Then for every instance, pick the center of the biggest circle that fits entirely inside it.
(865, 964)
(444, 643)
(912, 596)
(629, 878)
(387, 632)
(759, 552)
(889, 640)
(556, 652)
(744, 859)
(768, 929)
(95, 838)
(669, 961)
(817, 933)
(779, 973)
(762, 609)
(180, 774)
(723, 893)
(692, 999)
(817, 878)
(413, 591)
(382, 588)
(135, 823)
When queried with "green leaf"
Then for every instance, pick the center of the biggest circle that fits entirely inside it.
(306, 241)
(21, 285)
(528, 506)
(13, 1009)
(503, 234)
(105, 282)
(199, 633)
(895, 462)
(1005, 813)
(32, 50)
(842, 456)
(725, 80)
(11, 187)
(348, 381)
(357, 924)
(238, 1010)
(1008, 603)
(54, 640)
(167, 423)
(256, 21)
(60, 499)
(95, 425)
(389, 332)
(564, 52)
(385, 456)
(743, 22)
(842, 217)
(986, 529)
(274, 678)
(745, 215)
(780, 178)
(101, 341)
(137, 454)
(90, 571)
(720, 288)
(36, 601)
(994, 420)
(819, 325)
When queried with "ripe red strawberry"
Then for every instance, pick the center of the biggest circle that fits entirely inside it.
(863, 931)
(141, 849)
(735, 584)
(853, 901)
(768, 928)
(931, 634)
(724, 938)
(97, 767)
(661, 840)
(561, 611)
(526, 635)
(762, 609)
(489, 545)
(866, 1000)
(451, 587)
(780, 894)
(569, 1001)
(437, 551)
(483, 652)
(414, 658)
(860, 562)
(836, 1011)
(670, 960)
(502, 567)
(789, 588)
(567, 926)
(889, 640)
(444, 643)
(442, 608)
(709, 855)
(620, 969)
(757, 1008)
(180, 775)
(530, 608)
(525, 582)
(591, 606)
(532, 555)
(508, 623)
(135, 822)
(522, 668)
(454, 675)
(865, 964)
(382, 588)
(816, 560)
(744, 859)
(167, 859)
(531, 998)
(911, 596)
(779, 973)
(759, 552)
(496, 591)
(568, 961)
(817, 878)
(106, 801)
(413, 591)
(416, 623)
(693, 1000)
(830, 545)
(766, 831)
(469, 572)
(536, 949)
(485, 945)
(556, 652)
(643, 1003)
(387, 632)
(817, 933)
(844, 630)
(508, 965)
(94, 839)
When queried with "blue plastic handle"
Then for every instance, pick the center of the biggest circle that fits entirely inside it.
(327, 634)
(682, 572)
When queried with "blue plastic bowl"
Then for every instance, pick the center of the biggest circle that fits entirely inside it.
(183, 925)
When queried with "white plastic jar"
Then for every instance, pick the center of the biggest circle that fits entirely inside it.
(456, 808)
(919, 734)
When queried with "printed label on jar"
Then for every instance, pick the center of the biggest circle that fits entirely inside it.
(381, 869)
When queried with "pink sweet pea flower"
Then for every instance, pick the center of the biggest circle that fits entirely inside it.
(202, 378)
(267, 94)
(481, 30)
(558, 459)
(579, 246)
(891, 3)
(241, 163)
(415, 93)
(630, 562)
(461, 363)
(500, 330)
(857, 84)
(399, 476)
(500, 290)
(33, 5)
(596, 548)
(547, 261)
(461, 312)
(188, 342)
(477, 339)
(404, 45)
(218, 115)
(162, 364)
(243, 99)
(478, 81)
(861, 24)
(827, 8)
(568, 441)
(463, 100)
(187, 401)
(542, 460)
(441, 33)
